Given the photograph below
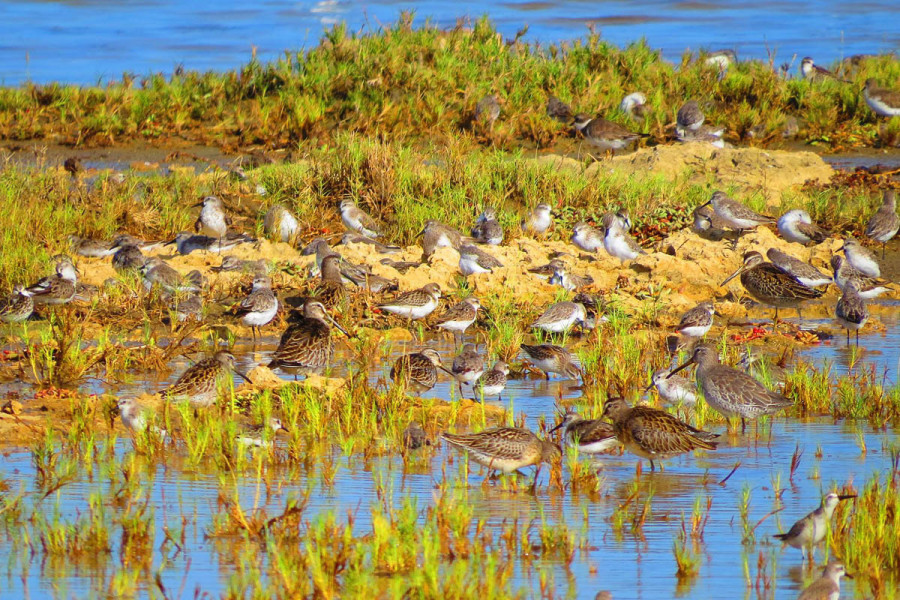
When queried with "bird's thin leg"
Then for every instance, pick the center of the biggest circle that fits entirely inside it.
(652, 466)
(536, 473)
(743, 426)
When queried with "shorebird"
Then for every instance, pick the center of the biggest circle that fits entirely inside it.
(487, 229)
(260, 435)
(697, 321)
(492, 382)
(467, 366)
(506, 449)
(187, 306)
(731, 392)
(212, 220)
(885, 223)
(355, 219)
(798, 227)
(330, 290)
(810, 70)
(306, 345)
(734, 214)
(560, 317)
(474, 260)
(709, 226)
(361, 277)
(436, 235)
(771, 285)
(673, 388)
(604, 134)
(487, 111)
(198, 384)
(90, 248)
(156, 272)
(459, 317)
(16, 307)
(280, 224)
(635, 106)
(546, 271)
(883, 101)
(566, 280)
(550, 358)
(401, 266)
(654, 434)
(722, 59)
(860, 258)
(418, 370)
(803, 272)
(828, 586)
(136, 417)
(867, 287)
(689, 116)
(559, 110)
(414, 437)
(851, 311)
(56, 289)
(355, 238)
(539, 220)
(260, 306)
(590, 436)
(617, 241)
(186, 242)
(586, 237)
(809, 531)
(415, 304)
(707, 133)
(127, 255)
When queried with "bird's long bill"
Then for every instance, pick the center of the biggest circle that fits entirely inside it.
(686, 364)
(563, 422)
(650, 387)
(335, 323)
(244, 377)
(733, 275)
(847, 497)
(170, 242)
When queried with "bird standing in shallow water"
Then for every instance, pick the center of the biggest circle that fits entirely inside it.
(885, 223)
(809, 531)
(591, 436)
(418, 370)
(199, 384)
(851, 311)
(306, 345)
(828, 586)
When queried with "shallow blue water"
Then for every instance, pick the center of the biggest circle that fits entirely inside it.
(85, 41)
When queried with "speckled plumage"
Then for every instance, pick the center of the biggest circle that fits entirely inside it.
(771, 285)
(560, 317)
(16, 307)
(198, 384)
(306, 345)
(418, 370)
(415, 304)
(506, 449)
(591, 436)
(550, 358)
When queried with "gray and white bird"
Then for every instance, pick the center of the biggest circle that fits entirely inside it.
(884, 102)
(605, 134)
(539, 220)
(355, 238)
(567, 280)
(851, 311)
(635, 106)
(415, 304)
(467, 366)
(460, 316)
(487, 229)
(697, 321)
(260, 435)
(473, 260)
(803, 272)
(355, 219)
(810, 70)
(560, 317)
(492, 382)
(586, 237)
(617, 240)
(885, 223)
(844, 274)
(809, 531)
(212, 221)
(280, 224)
(260, 306)
(56, 289)
(186, 242)
(689, 116)
(734, 214)
(828, 586)
(798, 227)
(860, 258)
(136, 417)
(674, 388)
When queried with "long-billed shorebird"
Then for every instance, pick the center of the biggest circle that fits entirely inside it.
(885, 223)
(590, 436)
(734, 214)
(851, 311)
(697, 321)
(797, 226)
(550, 358)
(418, 370)
(506, 449)
(731, 392)
(415, 304)
(459, 317)
(809, 531)
(867, 287)
(16, 307)
(560, 317)
(199, 383)
(355, 219)
(306, 345)
(654, 434)
(828, 586)
(771, 285)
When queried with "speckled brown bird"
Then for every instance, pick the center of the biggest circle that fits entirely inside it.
(306, 345)
(771, 285)
(418, 370)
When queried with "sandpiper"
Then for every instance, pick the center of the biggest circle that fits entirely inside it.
(261, 434)
(591, 436)
(212, 220)
(460, 316)
(467, 366)
(708, 225)
(487, 111)
(361, 277)
(810, 70)
(187, 306)
(803, 272)
(654, 434)
(199, 383)
(883, 101)
(233, 263)
(673, 388)
(560, 317)
(414, 437)
(280, 224)
(186, 242)
(401, 266)
(721, 59)
(473, 260)
(586, 237)
(547, 270)
(617, 241)
(418, 370)
(260, 306)
(506, 449)
(697, 321)
(705, 134)
(851, 311)
(157, 272)
(436, 235)
(604, 134)
(127, 256)
(539, 220)
(136, 417)
(559, 110)
(355, 219)
(16, 307)
(89, 247)
(355, 238)
(885, 223)
(731, 392)
(828, 586)
(771, 285)
(56, 289)
(487, 229)
(415, 304)
(635, 106)
(867, 287)
(330, 290)
(566, 280)
(492, 382)
(797, 226)
(689, 116)
(734, 214)
(550, 358)
(306, 345)
(809, 531)
(860, 258)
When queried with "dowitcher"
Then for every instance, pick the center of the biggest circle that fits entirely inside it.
(260, 306)
(883, 101)
(506, 449)
(851, 311)
(487, 111)
(867, 287)
(885, 223)
(635, 106)
(586, 237)
(552, 359)
(605, 134)
(809, 531)
(492, 382)
(306, 346)
(560, 317)
(673, 389)
(803, 272)
(798, 227)
(467, 366)
(487, 229)
(731, 392)
(414, 437)
(261, 434)
(860, 258)
(355, 238)
(616, 239)
(697, 321)
(418, 370)
(539, 220)
(355, 219)
(280, 224)
(330, 290)
(473, 260)
(734, 214)
(416, 304)
(16, 307)
(770, 285)
(212, 220)
(591, 436)
(566, 280)
(559, 110)
(654, 434)
(828, 586)
(459, 317)
(199, 383)
(689, 116)
(56, 289)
